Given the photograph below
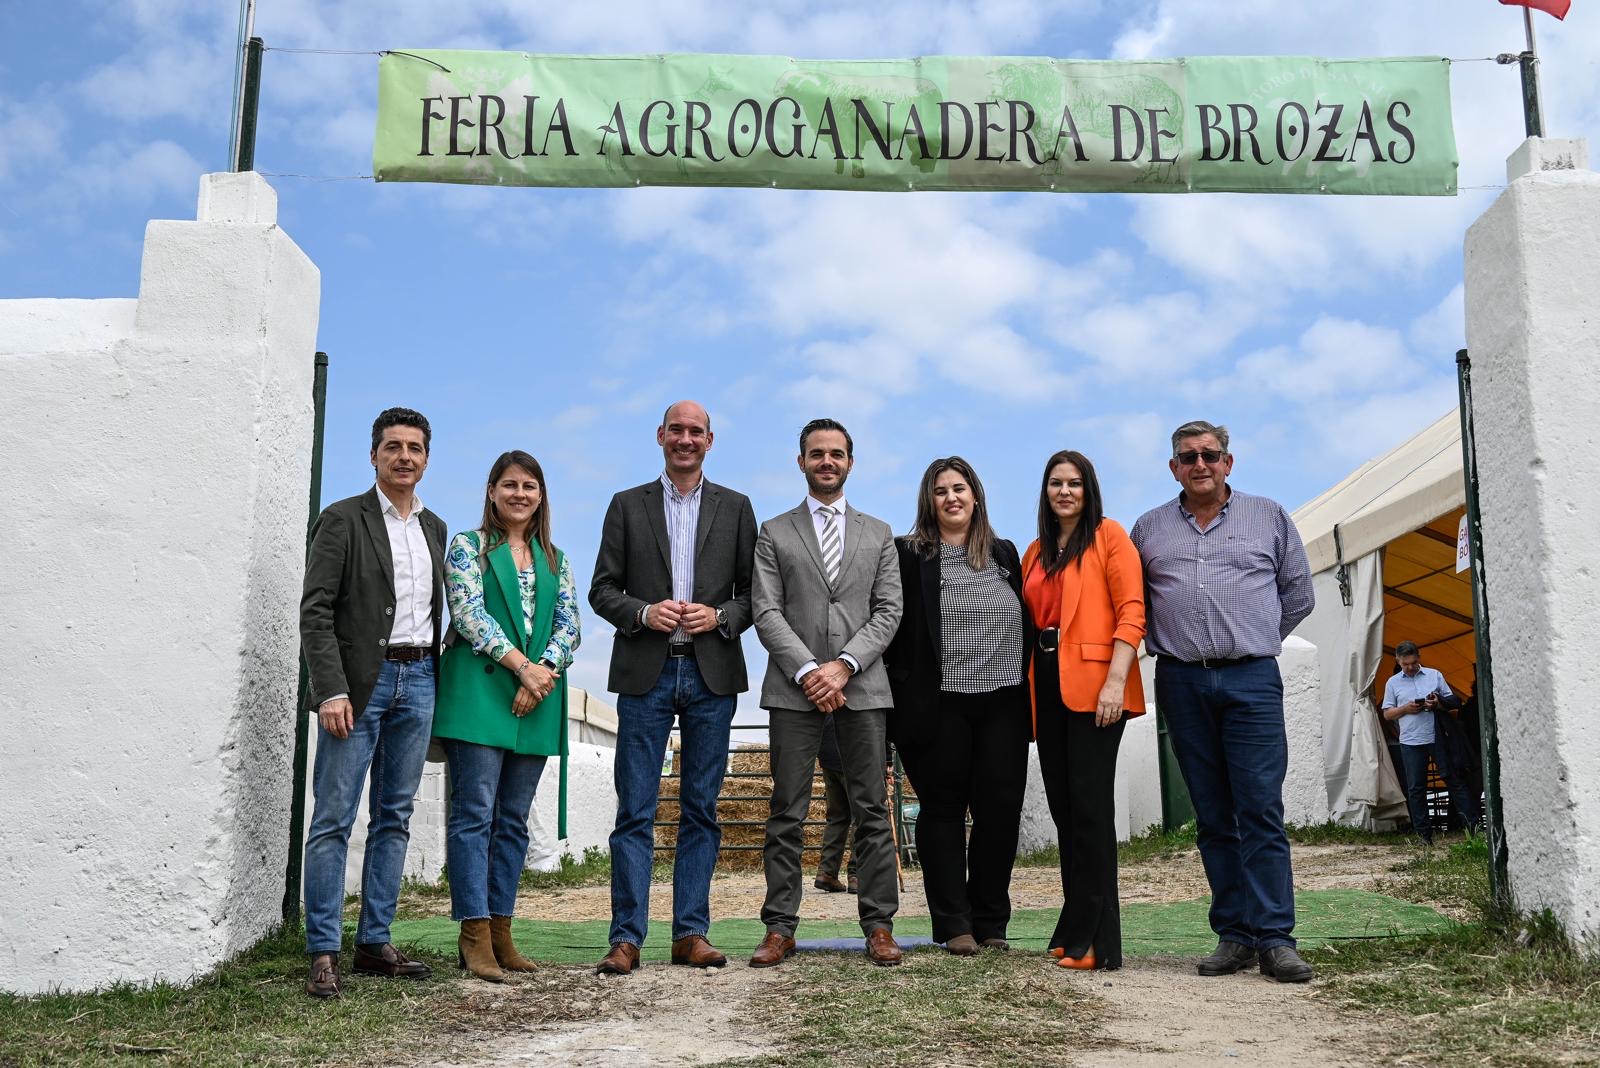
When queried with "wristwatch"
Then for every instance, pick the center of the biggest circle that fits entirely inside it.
(722, 617)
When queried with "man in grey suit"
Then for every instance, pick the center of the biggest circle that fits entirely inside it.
(827, 602)
(673, 576)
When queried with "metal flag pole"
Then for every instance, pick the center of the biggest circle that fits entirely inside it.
(246, 83)
(1532, 97)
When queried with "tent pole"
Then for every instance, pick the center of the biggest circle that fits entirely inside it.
(1483, 690)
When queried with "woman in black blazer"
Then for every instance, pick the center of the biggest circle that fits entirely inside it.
(957, 667)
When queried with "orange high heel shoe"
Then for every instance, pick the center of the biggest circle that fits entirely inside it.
(1058, 952)
(1084, 963)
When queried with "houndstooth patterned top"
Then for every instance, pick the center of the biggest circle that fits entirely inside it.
(980, 623)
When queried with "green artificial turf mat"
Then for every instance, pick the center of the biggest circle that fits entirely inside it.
(1321, 916)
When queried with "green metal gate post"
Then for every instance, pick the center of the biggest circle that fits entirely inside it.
(1483, 690)
(302, 724)
(1176, 807)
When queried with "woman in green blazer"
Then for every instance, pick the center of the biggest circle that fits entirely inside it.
(502, 704)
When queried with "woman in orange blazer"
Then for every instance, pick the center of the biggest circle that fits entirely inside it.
(1084, 587)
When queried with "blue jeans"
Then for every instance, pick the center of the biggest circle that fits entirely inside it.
(486, 840)
(390, 737)
(1226, 726)
(644, 723)
(1415, 759)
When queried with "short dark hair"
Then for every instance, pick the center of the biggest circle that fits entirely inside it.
(1406, 649)
(401, 417)
(827, 424)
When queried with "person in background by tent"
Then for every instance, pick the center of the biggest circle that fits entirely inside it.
(1226, 581)
(1413, 699)
(502, 702)
(836, 834)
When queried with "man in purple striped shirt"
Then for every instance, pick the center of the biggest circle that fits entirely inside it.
(1226, 581)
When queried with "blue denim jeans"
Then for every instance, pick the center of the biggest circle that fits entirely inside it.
(644, 723)
(1415, 759)
(389, 738)
(1226, 726)
(486, 840)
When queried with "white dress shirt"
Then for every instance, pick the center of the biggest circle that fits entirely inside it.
(818, 517)
(413, 574)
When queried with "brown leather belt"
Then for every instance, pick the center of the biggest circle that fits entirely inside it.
(407, 653)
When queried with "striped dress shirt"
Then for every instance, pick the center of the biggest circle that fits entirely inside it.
(1235, 589)
(683, 523)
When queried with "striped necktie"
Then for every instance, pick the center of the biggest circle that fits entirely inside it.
(832, 546)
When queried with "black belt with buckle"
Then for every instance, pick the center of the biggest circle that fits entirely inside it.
(681, 649)
(1049, 639)
(407, 653)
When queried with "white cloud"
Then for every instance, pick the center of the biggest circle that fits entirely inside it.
(138, 173)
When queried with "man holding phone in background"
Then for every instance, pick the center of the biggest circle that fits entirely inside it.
(1411, 698)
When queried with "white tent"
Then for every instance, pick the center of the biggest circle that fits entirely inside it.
(1382, 546)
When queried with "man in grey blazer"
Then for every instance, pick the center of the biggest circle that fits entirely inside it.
(370, 619)
(673, 576)
(827, 602)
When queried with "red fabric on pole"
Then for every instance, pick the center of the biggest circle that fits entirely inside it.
(1558, 8)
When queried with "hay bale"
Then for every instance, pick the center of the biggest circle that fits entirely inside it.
(744, 814)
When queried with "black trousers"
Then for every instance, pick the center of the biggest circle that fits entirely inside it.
(1079, 764)
(972, 757)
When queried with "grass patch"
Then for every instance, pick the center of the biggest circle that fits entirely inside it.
(254, 1011)
(1497, 990)
(993, 1009)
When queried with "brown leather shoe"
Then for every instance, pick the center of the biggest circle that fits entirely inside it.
(962, 945)
(323, 979)
(995, 943)
(881, 948)
(773, 950)
(828, 882)
(476, 951)
(623, 958)
(853, 885)
(697, 952)
(385, 960)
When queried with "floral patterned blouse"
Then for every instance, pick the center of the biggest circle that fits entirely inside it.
(463, 585)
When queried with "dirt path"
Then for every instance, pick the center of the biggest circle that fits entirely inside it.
(1175, 878)
(1157, 1011)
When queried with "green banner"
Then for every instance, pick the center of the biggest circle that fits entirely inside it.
(1206, 124)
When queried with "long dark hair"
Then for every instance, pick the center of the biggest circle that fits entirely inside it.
(494, 531)
(980, 535)
(1056, 557)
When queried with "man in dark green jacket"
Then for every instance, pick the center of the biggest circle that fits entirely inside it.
(370, 631)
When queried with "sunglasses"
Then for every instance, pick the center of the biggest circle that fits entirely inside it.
(1189, 457)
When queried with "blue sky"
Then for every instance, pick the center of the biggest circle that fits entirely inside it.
(1000, 327)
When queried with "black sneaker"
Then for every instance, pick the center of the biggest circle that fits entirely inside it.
(1227, 958)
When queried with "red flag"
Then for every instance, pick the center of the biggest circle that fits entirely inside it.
(1558, 8)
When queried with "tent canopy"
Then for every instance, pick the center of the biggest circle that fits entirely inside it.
(1413, 484)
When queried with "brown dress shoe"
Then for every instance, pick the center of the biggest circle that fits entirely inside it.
(881, 947)
(773, 950)
(995, 943)
(323, 979)
(385, 960)
(962, 945)
(853, 885)
(697, 952)
(623, 958)
(828, 882)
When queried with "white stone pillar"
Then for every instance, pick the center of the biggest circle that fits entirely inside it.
(1305, 786)
(1533, 332)
(159, 458)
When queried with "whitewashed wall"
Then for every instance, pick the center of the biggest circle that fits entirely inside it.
(1533, 330)
(159, 458)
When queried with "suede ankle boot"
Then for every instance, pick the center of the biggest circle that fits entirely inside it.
(476, 954)
(505, 950)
